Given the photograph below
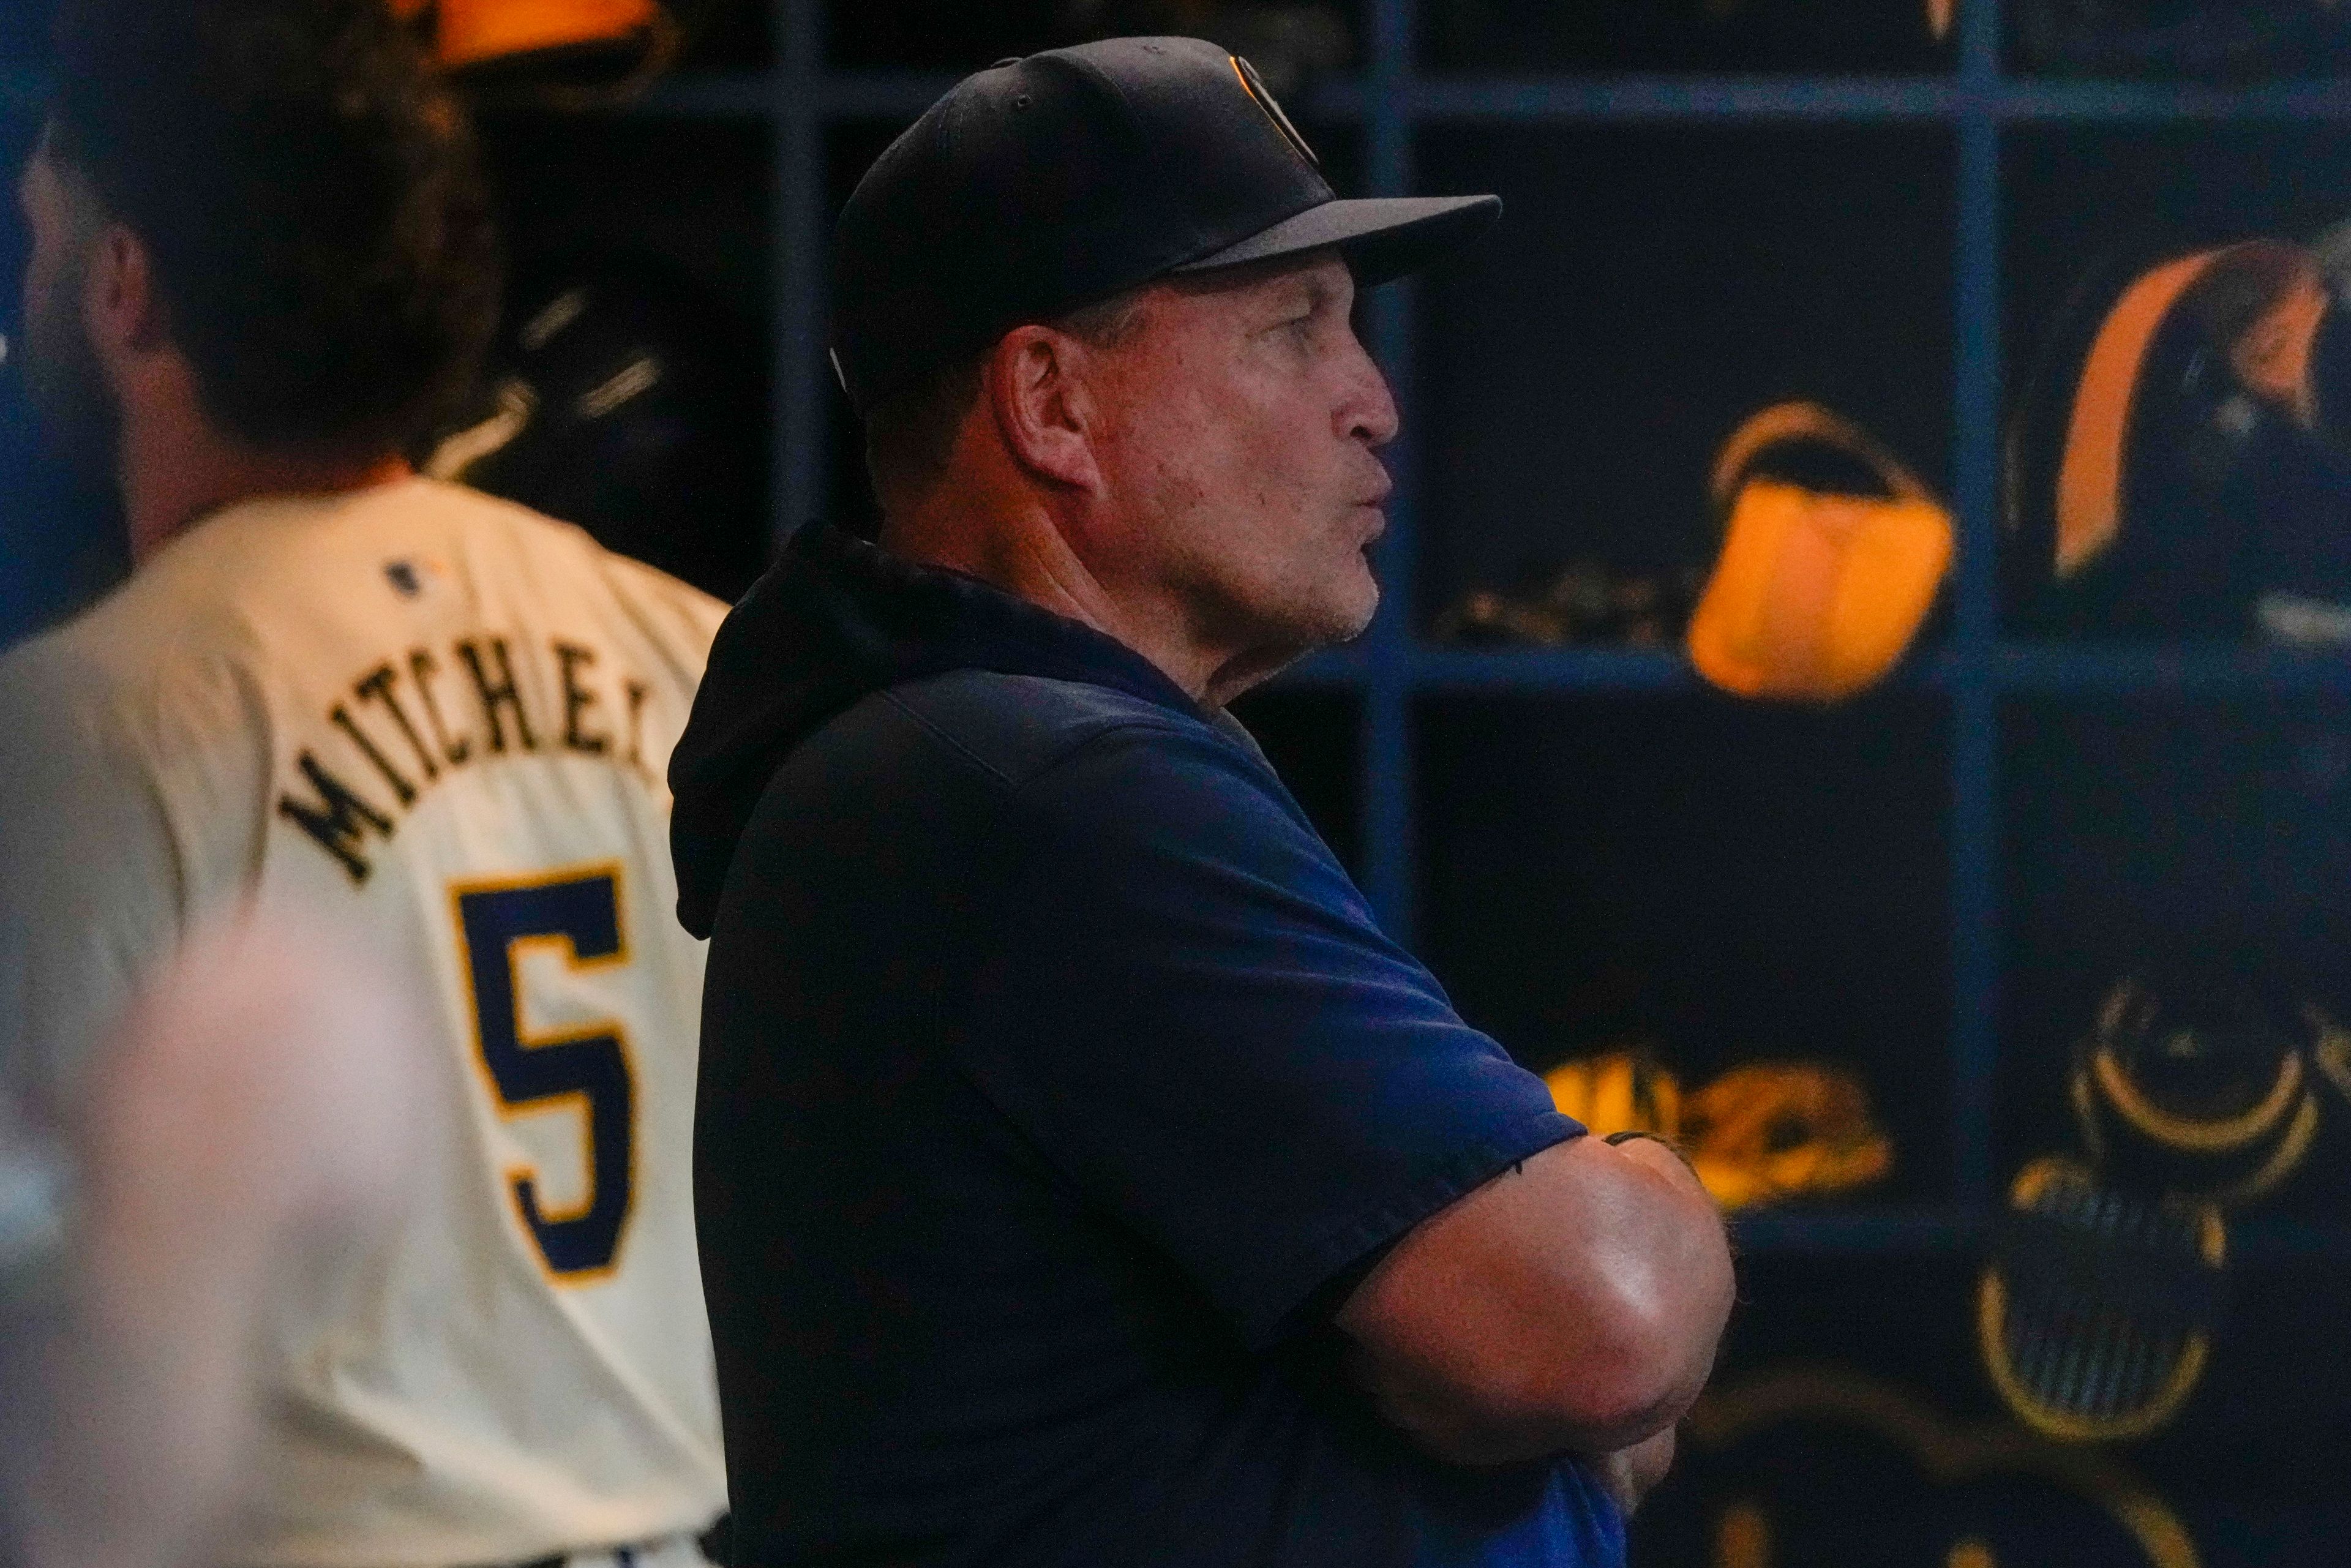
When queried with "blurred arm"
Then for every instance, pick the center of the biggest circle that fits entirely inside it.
(241, 1139)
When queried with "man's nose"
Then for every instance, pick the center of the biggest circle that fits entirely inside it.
(1370, 413)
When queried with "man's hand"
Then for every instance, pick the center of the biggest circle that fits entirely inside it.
(1628, 1473)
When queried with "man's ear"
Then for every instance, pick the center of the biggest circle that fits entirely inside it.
(1042, 407)
(121, 301)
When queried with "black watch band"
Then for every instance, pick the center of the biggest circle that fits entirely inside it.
(1626, 1137)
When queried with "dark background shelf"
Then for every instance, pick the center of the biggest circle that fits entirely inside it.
(1553, 380)
(2021, 666)
(1968, 214)
(1571, 98)
(1710, 881)
(1565, 412)
(1566, 97)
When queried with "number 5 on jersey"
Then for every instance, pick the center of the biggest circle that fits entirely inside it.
(577, 912)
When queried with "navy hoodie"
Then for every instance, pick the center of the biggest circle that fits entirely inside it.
(1056, 1086)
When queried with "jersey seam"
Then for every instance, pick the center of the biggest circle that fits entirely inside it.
(1097, 730)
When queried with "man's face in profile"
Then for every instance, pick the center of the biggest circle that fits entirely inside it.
(1247, 420)
(77, 416)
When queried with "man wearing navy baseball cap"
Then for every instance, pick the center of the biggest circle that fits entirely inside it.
(1083, 1177)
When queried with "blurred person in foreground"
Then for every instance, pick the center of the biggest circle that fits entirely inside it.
(262, 258)
(1082, 1176)
(239, 1151)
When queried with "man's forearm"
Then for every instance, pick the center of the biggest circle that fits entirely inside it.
(1571, 1305)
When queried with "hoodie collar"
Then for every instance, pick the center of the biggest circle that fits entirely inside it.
(835, 621)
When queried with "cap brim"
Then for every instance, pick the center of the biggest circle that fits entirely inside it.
(1382, 238)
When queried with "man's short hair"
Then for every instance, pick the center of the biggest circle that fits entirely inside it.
(910, 438)
(309, 194)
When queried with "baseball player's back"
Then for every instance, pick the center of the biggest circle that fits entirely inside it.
(446, 719)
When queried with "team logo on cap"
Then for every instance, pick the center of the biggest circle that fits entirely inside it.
(1254, 85)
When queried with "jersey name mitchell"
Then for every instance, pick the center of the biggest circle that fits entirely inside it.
(420, 714)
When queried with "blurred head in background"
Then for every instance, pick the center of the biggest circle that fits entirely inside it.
(261, 248)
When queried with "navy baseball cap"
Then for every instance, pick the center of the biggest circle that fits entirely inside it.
(1046, 183)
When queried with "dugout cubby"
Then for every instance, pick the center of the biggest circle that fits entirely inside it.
(2074, 194)
(2240, 50)
(2193, 845)
(2086, 208)
(1722, 882)
(1856, 1425)
(953, 35)
(668, 218)
(1786, 36)
(1579, 369)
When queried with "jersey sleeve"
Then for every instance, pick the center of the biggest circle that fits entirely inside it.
(1193, 1015)
(680, 619)
(92, 890)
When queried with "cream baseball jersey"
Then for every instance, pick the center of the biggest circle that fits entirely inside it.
(442, 721)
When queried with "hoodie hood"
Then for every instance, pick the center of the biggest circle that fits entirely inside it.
(833, 622)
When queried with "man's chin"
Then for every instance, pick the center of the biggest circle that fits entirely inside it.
(1364, 606)
(1275, 630)
(1355, 627)
(1332, 619)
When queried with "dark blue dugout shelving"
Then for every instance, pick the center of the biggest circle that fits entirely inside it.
(1971, 667)
(2051, 669)
(1435, 97)
(1388, 100)
(22, 88)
